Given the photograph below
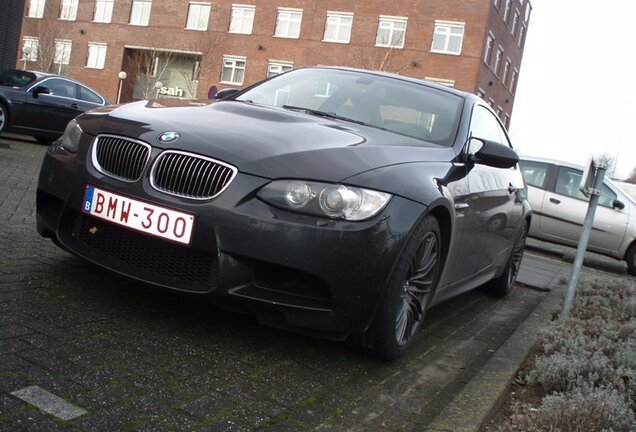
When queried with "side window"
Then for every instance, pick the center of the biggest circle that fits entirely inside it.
(484, 125)
(569, 180)
(88, 95)
(61, 87)
(534, 173)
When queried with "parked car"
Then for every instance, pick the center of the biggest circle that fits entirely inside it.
(628, 188)
(41, 104)
(336, 202)
(560, 207)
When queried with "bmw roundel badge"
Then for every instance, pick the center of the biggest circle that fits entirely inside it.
(168, 137)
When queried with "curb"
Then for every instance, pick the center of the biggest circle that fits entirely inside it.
(484, 393)
(546, 250)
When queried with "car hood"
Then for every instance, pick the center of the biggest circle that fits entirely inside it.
(264, 141)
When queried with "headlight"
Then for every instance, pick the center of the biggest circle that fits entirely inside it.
(323, 199)
(70, 139)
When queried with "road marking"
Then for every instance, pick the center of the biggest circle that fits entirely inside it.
(49, 403)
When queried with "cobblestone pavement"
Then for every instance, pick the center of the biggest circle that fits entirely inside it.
(139, 358)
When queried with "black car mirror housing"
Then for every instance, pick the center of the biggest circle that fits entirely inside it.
(494, 154)
(224, 93)
(40, 90)
(617, 204)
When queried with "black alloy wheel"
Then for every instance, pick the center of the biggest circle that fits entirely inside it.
(501, 286)
(418, 288)
(4, 118)
(409, 291)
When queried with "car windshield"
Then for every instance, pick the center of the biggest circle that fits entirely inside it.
(16, 78)
(386, 103)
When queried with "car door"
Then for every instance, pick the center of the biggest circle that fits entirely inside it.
(564, 208)
(495, 203)
(536, 176)
(49, 113)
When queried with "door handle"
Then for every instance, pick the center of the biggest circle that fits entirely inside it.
(74, 105)
(555, 201)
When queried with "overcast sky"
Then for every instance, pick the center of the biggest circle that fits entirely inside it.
(577, 84)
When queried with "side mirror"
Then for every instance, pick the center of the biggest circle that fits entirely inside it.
(620, 205)
(227, 92)
(493, 154)
(40, 90)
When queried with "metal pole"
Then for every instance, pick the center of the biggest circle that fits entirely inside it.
(583, 241)
(121, 81)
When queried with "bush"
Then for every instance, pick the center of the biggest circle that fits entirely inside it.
(587, 367)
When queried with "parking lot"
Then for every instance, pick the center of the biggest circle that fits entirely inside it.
(139, 358)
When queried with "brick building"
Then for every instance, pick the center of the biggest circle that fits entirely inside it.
(188, 46)
(10, 21)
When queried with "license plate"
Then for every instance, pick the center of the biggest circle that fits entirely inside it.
(138, 215)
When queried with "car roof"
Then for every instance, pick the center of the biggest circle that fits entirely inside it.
(549, 161)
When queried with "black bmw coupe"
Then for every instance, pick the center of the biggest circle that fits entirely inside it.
(337, 202)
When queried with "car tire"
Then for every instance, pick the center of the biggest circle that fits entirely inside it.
(631, 260)
(4, 117)
(502, 285)
(407, 295)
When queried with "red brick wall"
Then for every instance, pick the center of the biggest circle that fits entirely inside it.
(168, 19)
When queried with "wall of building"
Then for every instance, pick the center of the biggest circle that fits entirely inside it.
(10, 23)
(166, 31)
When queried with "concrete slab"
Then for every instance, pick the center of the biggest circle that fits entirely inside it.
(541, 273)
(49, 403)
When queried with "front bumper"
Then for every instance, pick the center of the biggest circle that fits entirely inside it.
(293, 271)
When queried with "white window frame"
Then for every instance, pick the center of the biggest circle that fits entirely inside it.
(105, 11)
(343, 30)
(96, 55)
(198, 17)
(285, 17)
(481, 93)
(513, 80)
(36, 8)
(497, 3)
(499, 111)
(490, 45)
(34, 44)
(62, 57)
(282, 66)
(388, 23)
(506, 71)
(506, 120)
(498, 59)
(444, 29)
(491, 102)
(522, 34)
(142, 8)
(506, 14)
(242, 16)
(234, 67)
(515, 22)
(68, 10)
(441, 81)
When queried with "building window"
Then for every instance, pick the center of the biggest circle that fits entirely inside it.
(62, 56)
(242, 19)
(36, 8)
(441, 81)
(506, 14)
(491, 102)
(96, 56)
(506, 72)
(391, 32)
(490, 43)
(522, 34)
(513, 81)
(447, 37)
(497, 65)
(68, 10)
(277, 67)
(499, 112)
(198, 16)
(497, 3)
(233, 70)
(481, 93)
(30, 49)
(515, 22)
(506, 121)
(140, 12)
(338, 27)
(103, 11)
(288, 23)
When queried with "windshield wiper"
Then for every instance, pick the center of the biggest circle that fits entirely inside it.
(324, 114)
